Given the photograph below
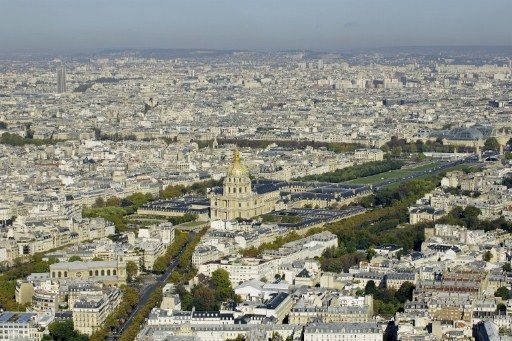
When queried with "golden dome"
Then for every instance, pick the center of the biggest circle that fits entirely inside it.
(237, 169)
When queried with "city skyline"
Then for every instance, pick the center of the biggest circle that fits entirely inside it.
(216, 170)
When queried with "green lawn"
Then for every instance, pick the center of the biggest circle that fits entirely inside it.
(426, 166)
(192, 224)
(373, 179)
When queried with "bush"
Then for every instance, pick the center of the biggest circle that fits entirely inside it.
(16, 140)
(502, 292)
(63, 330)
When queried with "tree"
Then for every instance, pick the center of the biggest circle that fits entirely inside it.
(404, 293)
(370, 288)
(203, 298)
(75, 259)
(113, 201)
(359, 293)
(131, 270)
(3, 125)
(487, 256)
(502, 292)
(138, 199)
(130, 295)
(99, 202)
(29, 132)
(172, 191)
(471, 212)
(63, 330)
(507, 267)
(507, 181)
(492, 144)
(370, 253)
(221, 285)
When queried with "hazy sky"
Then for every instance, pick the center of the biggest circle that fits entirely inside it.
(71, 25)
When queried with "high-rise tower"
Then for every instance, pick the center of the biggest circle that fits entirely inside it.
(61, 80)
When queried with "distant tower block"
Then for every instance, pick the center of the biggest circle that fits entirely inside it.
(61, 80)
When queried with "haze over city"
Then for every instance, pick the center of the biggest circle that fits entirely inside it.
(333, 25)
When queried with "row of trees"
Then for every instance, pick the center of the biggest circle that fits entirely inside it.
(16, 140)
(172, 251)
(198, 188)
(398, 146)
(469, 217)
(357, 171)
(277, 243)
(378, 226)
(130, 333)
(134, 201)
(115, 209)
(184, 271)
(337, 147)
(19, 270)
(368, 229)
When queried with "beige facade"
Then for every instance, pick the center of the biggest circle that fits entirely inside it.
(24, 292)
(91, 311)
(333, 313)
(107, 272)
(369, 154)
